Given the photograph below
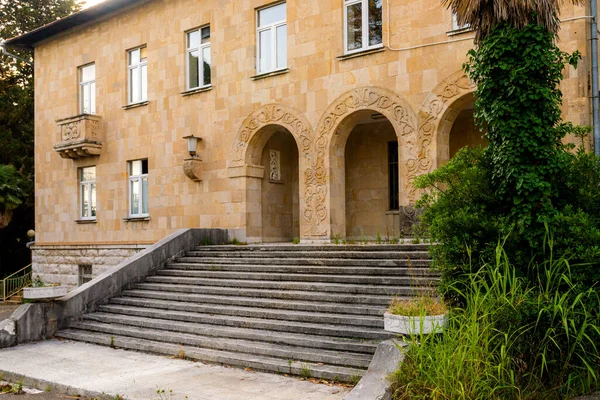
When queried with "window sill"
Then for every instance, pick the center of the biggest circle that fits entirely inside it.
(135, 105)
(392, 212)
(455, 32)
(136, 219)
(196, 90)
(361, 53)
(280, 182)
(270, 74)
(85, 221)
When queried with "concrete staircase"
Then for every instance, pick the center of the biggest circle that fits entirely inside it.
(295, 309)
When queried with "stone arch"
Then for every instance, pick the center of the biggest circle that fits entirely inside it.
(272, 114)
(437, 116)
(335, 123)
(244, 164)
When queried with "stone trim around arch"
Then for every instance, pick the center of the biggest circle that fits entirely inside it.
(393, 107)
(271, 114)
(433, 115)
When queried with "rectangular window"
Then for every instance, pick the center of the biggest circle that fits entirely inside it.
(456, 26)
(87, 89)
(85, 274)
(138, 188)
(393, 175)
(272, 38)
(363, 20)
(138, 75)
(87, 189)
(198, 58)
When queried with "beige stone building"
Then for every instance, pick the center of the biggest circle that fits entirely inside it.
(314, 118)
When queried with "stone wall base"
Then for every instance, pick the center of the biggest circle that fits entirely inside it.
(60, 264)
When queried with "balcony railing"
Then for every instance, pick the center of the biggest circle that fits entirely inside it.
(80, 136)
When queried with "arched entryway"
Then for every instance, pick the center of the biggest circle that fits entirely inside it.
(270, 149)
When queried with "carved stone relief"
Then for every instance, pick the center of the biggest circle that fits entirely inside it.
(430, 115)
(275, 165)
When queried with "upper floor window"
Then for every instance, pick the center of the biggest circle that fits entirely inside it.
(87, 89)
(87, 189)
(138, 75)
(138, 188)
(272, 38)
(198, 58)
(456, 26)
(363, 24)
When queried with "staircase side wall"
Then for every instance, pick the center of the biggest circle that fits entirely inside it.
(39, 321)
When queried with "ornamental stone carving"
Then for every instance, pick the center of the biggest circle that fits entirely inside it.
(80, 136)
(275, 165)
(192, 168)
(431, 114)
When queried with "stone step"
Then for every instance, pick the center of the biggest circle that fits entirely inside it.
(324, 278)
(386, 255)
(332, 262)
(317, 306)
(261, 363)
(300, 295)
(311, 248)
(249, 322)
(292, 285)
(287, 352)
(200, 265)
(253, 312)
(419, 281)
(294, 339)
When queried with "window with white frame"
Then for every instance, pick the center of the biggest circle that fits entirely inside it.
(198, 58)
(456, 26)
(87, 189)
(87, 89)
(272, 38)
(363, 20)
(138, 75)
(138, 188)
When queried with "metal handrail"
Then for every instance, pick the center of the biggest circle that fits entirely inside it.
(13, 283)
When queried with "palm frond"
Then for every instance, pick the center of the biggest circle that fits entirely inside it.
(484, 15)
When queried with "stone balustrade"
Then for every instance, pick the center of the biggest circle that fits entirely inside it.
(80, 136)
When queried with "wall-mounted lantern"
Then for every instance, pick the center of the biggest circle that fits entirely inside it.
(192, 165)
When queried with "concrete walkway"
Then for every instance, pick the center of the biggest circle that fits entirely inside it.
(92, 370)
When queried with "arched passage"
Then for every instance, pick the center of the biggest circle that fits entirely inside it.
(333, 131)
(271, 148)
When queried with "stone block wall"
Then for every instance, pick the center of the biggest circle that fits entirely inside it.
(60, 264)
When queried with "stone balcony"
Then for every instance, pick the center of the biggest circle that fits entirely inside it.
(80, 136)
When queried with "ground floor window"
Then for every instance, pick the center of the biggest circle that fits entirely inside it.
(138, 188)
(87, 189)
(85, 274)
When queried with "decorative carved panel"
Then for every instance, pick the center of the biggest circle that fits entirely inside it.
(80, 136)
(275, 165)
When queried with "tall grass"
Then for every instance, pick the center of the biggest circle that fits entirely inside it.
(516, 338)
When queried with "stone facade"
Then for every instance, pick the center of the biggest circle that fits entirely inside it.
(327, 120)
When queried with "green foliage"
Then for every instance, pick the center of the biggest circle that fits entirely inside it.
(518, 72)
(514, 339)
(11, 193)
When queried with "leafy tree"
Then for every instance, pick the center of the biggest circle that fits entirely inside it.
(11, 194)
(17, 116)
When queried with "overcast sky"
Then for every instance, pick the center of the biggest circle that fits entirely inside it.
(89, 3)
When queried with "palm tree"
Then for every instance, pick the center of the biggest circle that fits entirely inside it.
(484, 15)
(11, 195)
